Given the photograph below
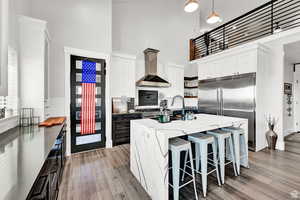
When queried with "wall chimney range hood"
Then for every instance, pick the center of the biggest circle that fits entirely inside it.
(151, 79)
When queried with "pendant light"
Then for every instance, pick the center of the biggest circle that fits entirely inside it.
(191, 6)
(213, 17)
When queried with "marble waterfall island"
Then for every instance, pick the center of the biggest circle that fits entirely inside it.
(149, 156)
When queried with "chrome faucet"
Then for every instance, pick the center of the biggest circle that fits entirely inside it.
(183, 104)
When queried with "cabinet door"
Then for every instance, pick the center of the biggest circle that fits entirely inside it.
(176, 78)
(206, 70)
(216, 69)
(201, 71)
(228, 66)
(225, 66)
(247, 62)
(122, 77)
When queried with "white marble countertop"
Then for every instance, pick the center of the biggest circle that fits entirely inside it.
(202, 123)
(23, 152)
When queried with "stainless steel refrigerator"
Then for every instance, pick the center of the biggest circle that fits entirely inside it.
(230, 96)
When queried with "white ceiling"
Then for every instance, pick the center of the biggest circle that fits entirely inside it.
(292, 52)
(227, 9)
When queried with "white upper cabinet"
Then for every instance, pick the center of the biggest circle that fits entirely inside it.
(247, 61)
(34, 62)
(4, 30)
(175, 75)
(122, 75)
(231, 62)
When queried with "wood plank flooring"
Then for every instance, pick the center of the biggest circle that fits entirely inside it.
(105, 174)
(292, 143)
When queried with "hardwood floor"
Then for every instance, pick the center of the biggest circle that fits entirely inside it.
(292, 143)
(105, 174)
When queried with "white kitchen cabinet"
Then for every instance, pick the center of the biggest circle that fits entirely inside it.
(34, 62)
(247, 62)
(231, 62)
(175, 74)
(122, 75)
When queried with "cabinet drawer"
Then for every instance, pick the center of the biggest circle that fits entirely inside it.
(120, 141)
(126, 117)
(120, 134)
(121, 126)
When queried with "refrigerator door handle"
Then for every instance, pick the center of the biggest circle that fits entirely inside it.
(218, 101)
(222, 102)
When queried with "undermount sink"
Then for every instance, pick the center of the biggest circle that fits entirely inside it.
(172, 118)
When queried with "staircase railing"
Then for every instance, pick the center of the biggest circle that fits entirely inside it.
(270, 18)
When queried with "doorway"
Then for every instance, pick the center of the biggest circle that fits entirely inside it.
(297, 97)
(87, 107)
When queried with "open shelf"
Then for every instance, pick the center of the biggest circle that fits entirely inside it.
(191, 78)
(190, 87)
(194, 87)
(191, 97)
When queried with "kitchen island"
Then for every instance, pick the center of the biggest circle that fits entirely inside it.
(149, 155)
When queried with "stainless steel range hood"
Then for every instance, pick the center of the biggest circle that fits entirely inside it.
(151, 79)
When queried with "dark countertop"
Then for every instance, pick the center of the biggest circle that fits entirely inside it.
(23, 152)
(134, 113)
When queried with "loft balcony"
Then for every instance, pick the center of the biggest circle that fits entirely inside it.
(270, 18)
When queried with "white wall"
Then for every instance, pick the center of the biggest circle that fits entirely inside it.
(79, 24)
(83, 24)
(9, 11)
(4, 19)
(191, 70)
(288, 121)
(272, 97)
(163, 25)
(17, 7)
(296, 98)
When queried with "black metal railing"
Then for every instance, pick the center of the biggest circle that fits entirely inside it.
(269, 18)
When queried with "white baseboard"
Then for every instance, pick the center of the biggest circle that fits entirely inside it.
(108, 144)
(280, 145)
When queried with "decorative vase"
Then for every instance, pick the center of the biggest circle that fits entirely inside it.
(271, 139)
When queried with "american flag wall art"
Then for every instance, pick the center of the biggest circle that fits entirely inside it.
(88, 106)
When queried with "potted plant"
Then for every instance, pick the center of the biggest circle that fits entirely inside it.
(270, 134)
